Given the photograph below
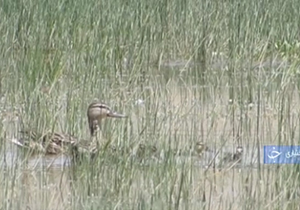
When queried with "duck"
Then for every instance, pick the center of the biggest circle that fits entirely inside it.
(52, 143)
(144, 151)
(234, 157)
(200, 148)
(231, 159)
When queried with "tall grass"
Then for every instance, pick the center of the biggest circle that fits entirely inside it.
(225, 72)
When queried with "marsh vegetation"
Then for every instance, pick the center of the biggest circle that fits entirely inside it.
(223, 72)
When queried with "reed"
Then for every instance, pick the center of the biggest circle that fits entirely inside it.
(220, 72)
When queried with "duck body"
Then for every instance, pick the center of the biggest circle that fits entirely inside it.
(51, 143)
(48, 142)
(231, 159)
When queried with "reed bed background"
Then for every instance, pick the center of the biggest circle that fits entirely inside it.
(225, 72)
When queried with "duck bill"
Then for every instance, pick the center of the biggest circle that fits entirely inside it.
(116, 115)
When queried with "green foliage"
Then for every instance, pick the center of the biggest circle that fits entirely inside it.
(225, 72)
